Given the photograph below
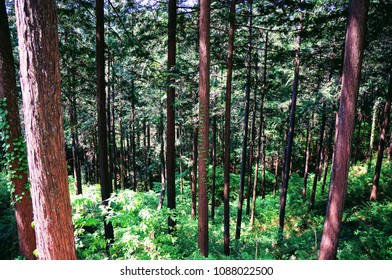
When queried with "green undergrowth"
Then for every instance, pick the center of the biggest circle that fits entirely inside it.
(141, 230)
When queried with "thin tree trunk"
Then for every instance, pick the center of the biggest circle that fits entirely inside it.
(105, 182)
(75, 145)
(133, 138)
(43, 117)
(245, 127)
(194, 170)
(203, 145)
(213, 200)
(341, 160)
(18, 173)
(170, 132)
(307, 153)
(381, 144)
(372, 133)
(226, 159)
(251, 157)
(162, 157)
(261, 140)
(290, 134)
(327, 156)
(319, 153)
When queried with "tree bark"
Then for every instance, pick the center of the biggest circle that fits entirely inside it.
(245, 127)
(341, 160)
(104, 177)
(43, 117)
(8, 93)
(203, 147)
(381, 143)
(171, 131)
(226, 159)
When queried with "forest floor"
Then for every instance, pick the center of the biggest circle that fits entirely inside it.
(141, 229)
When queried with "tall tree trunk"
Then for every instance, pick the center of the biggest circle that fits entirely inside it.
(381, 143)
(75, 145)
(245, 127)
(226, 159)
(171, 128)
(105, 182)
(290, 134)
(307, 153)
(327, 156)
(341, 160)
(133, 138)
(213, 200)
(261, 139)
(372, 133)
(194, 170)
(319, 153)
(204, 102)
(162, 157)
(43, 117)
(18, 173)
(251, 157)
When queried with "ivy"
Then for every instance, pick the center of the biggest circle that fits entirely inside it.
(13, 152)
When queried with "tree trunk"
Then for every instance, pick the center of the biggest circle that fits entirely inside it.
(327, 156)
(372, 133)
(290, 134)
(171, 130)
(194, 170)
(245, 127)
(162, 158)
(133, 138)
(381, 144)
(261, 139)
(75, 145)
(203, 147)
(251, 157)
(226, 159)
(105, 182)
(43, 117)
(16, 149)
(319, 153)
(213, 200)
(307, 153)
(341, 160)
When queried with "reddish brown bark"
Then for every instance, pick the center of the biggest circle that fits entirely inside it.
(345, 124)
(171, 133)
(23, 205)
(381, 143)
(204, 100)
(43, 117)
(226, 160)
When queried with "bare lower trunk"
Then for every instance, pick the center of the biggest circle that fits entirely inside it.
(341, 160)
(43, 117)
(16, 156)
(203, 145)
(381, 144)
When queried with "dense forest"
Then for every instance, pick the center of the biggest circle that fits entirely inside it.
(194, 129)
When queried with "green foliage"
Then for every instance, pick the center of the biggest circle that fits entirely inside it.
(8, 234)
